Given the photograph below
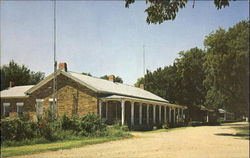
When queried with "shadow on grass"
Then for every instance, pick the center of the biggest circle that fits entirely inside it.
(242, 130)
(243, 135)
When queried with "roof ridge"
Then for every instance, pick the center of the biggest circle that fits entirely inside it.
(102, 79)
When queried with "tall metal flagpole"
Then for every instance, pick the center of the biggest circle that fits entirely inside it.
(55, 67)
(144, 60)
(144, 66)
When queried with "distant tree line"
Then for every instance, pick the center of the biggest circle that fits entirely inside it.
(19, 75)
(217, 77)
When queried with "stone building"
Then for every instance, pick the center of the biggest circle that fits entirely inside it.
(81, 94)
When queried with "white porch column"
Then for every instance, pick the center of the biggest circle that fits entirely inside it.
(147, 113)
(132, 113)
(169, 114)
(182, 114)
(159, 114)
(165, 114)
(140, 114)
(174, 114)
(100, 108)
(154, 114)
(123, 111)
(178, 115)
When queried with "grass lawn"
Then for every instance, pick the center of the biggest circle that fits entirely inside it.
(31, 149)
(243, 132)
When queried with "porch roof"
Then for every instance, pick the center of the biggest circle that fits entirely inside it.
(141, 100)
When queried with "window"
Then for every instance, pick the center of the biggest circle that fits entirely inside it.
(51, 105)
(6, 109)
(39, 107)
(19, 108)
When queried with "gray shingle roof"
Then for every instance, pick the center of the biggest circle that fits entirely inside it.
(17, 91)
(105, 86)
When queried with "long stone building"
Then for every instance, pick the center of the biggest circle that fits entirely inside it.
(79, 94)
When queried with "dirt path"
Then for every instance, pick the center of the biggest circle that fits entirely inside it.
(191, 142)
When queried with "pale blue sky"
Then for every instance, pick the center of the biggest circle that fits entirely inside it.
(105, 37)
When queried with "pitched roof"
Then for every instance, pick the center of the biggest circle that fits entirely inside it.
(17, 91)
(103, 86)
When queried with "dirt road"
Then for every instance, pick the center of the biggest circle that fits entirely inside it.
(191, 142)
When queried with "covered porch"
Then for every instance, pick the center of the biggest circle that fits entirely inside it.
(134, 111)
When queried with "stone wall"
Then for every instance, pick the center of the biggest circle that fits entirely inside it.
(28, 107)
(72, 98)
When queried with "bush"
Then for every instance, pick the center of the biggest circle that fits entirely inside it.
(18, 132)
(45, 130)
(70, 123)
(195, 123)
(141, 127)
(166, 125)
(16, 129)
(91, 124)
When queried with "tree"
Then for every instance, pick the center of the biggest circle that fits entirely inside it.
(180, 83)
(163, 10)
(190, 68)
(227, 68)
(117, 78)
(19, 74)
(139, 82)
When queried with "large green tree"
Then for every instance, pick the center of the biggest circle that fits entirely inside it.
(189, 67)
(227, 68)
(162, 10)
(19, 74)
(180, 83)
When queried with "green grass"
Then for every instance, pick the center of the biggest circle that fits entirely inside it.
(31, 149)
(243, 132)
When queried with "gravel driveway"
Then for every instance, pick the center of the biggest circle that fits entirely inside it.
(191, 142)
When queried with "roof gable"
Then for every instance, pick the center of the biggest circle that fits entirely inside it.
(102, 86)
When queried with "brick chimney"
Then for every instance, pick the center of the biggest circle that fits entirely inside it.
(12, 84)
(111, 78)
(142, 86)
(63, 66)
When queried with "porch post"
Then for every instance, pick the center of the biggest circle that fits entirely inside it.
(169, 115)
(100, 108)
(174, 114)
(154, 113)
(140, 114)
(182, 113)
(123, 111)
(178, 115)
(159, 114)
(132, 113)
(147, 113)
(165, 113)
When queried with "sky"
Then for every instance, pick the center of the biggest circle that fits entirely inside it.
(104, 37)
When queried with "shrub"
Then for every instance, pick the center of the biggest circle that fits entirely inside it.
(166, 125)
(45, 130)
(195, 123)
(142, 127)
(70, 123)
(92, 123)
(16, 129)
